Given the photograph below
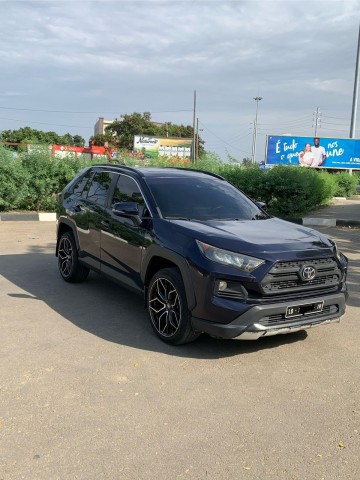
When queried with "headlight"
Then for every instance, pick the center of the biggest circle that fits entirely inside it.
(226, 257)
(338, 254)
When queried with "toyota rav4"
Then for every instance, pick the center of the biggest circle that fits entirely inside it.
(204, 256)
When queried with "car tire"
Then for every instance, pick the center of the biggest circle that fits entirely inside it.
(70, 268)
(167, 308)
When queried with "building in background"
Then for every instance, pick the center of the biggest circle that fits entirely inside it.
(101, 124)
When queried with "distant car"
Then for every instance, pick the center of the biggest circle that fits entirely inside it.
(204, 256)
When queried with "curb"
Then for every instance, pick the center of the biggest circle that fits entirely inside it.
(323, 222)
(28, 217)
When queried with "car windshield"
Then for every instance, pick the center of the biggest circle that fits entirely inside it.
(201, 198)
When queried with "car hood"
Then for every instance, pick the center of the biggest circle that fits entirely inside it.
(257, 236)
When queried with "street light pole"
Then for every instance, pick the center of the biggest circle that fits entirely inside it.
(193, 150)
(356, 90)
(253, 155)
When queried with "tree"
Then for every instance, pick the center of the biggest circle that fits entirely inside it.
(122, 132)
(100, 139)
(78, 140)
(30, 135)
(247, 162)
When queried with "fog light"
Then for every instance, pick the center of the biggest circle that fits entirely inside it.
(230, 289)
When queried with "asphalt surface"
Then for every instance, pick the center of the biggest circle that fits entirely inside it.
(88, 392)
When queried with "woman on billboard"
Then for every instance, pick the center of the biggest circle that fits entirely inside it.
(306, 157)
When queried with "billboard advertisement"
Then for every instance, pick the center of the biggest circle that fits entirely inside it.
(340, 153)
(164, 147)
(102, 153)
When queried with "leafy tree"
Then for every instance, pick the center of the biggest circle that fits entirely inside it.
(122, 132)
(232, 159)
(247, 162)
(78, 140)
(33, 136)
(100, 139)
(67, 139)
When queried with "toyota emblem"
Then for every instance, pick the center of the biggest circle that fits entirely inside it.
(308, 273)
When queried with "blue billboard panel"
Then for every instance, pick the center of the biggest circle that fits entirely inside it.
(288, 150)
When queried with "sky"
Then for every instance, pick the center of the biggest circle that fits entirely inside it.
(66, 63)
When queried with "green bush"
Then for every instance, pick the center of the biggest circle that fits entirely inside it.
(345, 184)
(294, 191)
(210, 162)
(41, 182)
(250, 179)
(30, 181)
(12, 181)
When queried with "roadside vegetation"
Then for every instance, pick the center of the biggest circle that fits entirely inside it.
(30, 181)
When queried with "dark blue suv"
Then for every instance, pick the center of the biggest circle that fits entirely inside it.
(205, 257)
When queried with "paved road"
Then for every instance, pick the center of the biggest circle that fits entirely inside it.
(88, 392)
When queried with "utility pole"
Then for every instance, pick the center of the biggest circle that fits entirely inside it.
(253, 153)
(193, 153)
(197, 141)
(356, 88)
(253, 144)
(317, 120)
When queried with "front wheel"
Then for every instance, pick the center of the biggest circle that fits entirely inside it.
(167, 308)
(70, 268)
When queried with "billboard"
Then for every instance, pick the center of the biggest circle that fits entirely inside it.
(152, 147)
(102, 153)
(341, 153)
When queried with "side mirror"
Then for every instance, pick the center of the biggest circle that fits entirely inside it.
(261, 205)
(127, 210)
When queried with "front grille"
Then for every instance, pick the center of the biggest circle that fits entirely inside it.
(278, 319)
(285, 277)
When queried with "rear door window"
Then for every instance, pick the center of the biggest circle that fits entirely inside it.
(80, 184)
(97, 190)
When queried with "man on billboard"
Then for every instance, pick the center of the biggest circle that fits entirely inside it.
(319, 153)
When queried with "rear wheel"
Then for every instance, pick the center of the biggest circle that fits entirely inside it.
(70, 268)
(167, 308)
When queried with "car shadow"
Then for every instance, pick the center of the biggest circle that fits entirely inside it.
(109, 311)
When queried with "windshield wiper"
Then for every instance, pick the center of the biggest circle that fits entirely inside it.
(178, 218)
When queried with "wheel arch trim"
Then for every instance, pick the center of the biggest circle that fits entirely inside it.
(179, 261)
(70, 227)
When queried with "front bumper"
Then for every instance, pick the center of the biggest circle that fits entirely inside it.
(266, 320)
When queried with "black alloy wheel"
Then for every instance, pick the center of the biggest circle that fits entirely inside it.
(167, 307)
(70, 268)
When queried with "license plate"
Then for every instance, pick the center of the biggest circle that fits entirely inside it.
(300, 310)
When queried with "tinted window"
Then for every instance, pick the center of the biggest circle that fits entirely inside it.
(97, 190)
(202, 199)
(80, 184)
(127, 190)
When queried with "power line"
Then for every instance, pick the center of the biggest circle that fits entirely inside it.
(329, 123)
(68, 111)
(335, 130)
(222, 140)
(295, 120)
(44, 123)
(336, 118)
